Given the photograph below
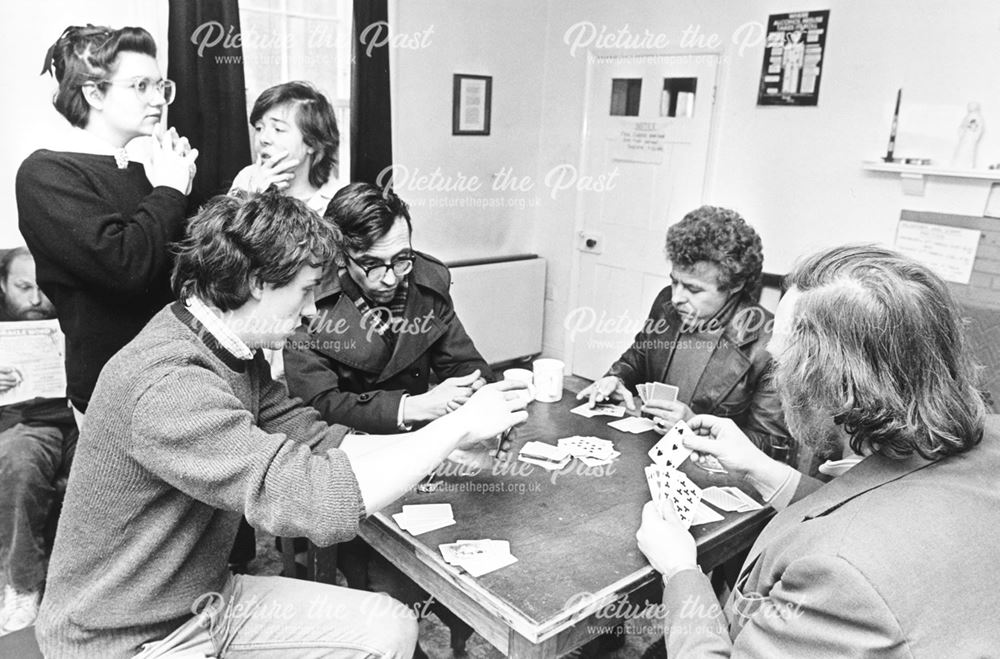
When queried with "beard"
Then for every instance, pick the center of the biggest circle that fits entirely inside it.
(812, 427)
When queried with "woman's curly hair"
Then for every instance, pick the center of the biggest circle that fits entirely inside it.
(88, 54)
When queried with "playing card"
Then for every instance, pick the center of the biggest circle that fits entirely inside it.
(600, 409)
(546, 464)
(668, 486)
(544, 455)
(593, 447)
(684, 495)
(748, 501)
(711, 464)
(428, 511)
(657, 391)
(478, 557)
(721, 499)
(633, 424)
(598, 462)
(421, 518)
(480, 566)
(462, 550)
(670, 450)
(641, 390)
(419, 526)
(705, 515)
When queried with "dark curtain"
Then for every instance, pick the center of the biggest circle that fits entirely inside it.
(371, 124)
(206, 62)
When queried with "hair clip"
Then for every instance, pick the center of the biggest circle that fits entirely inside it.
(47, 64)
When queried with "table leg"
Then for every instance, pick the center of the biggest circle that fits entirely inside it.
(518, 647)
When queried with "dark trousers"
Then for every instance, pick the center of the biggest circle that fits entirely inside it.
(33, 459)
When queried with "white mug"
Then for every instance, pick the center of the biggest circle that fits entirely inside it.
(521, 375)
(548, 380)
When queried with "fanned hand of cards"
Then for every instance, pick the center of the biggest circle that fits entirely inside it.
(478, 557)
(657, 392)
(671, 487)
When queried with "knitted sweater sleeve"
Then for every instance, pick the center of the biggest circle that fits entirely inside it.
(62, 213)
(190, 429)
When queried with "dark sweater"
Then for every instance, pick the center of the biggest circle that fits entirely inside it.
(100, 239)
(181, 440)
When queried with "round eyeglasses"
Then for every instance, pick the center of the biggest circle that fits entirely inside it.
(375, 273)
(148, 89)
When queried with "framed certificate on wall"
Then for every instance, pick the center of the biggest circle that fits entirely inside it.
(472, 96)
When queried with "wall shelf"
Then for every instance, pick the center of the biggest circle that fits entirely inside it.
(913, 177)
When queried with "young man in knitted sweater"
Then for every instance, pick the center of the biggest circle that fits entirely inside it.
(187, 432)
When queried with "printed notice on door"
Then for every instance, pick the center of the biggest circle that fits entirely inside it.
(642, 141)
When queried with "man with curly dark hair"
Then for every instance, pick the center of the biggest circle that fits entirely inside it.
(706, 335)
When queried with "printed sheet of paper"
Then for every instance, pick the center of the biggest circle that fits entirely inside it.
(948, 251)
(36, 350)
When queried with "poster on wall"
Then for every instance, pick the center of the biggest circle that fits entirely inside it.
(793, 58)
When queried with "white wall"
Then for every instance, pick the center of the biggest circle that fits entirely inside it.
(795, 173)
(27, 119)
(499, 39)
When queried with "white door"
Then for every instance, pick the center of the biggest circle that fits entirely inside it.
(647, 131)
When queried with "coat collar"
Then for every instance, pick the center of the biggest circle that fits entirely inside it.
(874, 471)
(730, 359)
(871, 473)
(370, 351)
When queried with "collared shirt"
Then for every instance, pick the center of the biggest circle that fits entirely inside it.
(78, 140)
(233, 344)
(318, 201)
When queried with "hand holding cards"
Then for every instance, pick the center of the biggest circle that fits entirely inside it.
(657, 391)
(671, 487)
(671, 451)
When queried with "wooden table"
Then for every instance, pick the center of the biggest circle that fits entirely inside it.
(573, 532)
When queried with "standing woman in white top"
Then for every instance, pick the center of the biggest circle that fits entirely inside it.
(296, 140)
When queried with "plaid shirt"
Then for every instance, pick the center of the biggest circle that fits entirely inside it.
(381, 316)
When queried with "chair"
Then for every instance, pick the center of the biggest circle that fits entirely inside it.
(321, 562)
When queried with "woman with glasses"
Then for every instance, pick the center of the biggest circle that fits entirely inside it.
(295, 139)
(99, 224)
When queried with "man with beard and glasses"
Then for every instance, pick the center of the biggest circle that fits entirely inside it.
(706, 335)
(890, 559)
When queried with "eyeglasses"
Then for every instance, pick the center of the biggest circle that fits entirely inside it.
(375, 273)
(144, 88)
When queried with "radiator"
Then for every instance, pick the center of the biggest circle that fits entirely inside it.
(501, 304)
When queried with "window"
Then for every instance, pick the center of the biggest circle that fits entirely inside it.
(625, 94)
(310, 40)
